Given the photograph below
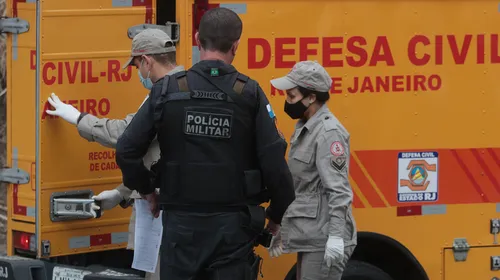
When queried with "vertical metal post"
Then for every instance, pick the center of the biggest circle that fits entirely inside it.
(37, 127)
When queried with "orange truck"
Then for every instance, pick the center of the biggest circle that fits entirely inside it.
(414, 82)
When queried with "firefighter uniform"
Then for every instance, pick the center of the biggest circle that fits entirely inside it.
(319, 224)
(319, 161)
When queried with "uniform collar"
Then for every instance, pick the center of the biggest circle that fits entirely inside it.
(311, 123)
(207, 65)
(176, 69)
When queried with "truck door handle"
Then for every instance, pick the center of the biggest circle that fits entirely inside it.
(73, 205)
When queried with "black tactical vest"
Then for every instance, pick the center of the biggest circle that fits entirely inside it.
(207, 144)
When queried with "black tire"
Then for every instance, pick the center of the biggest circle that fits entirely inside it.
(358, 270)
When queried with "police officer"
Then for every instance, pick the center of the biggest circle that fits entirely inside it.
(153, 54)
(220, 147)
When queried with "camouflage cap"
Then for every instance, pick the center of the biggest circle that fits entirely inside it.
(307, 74)
(150, 41)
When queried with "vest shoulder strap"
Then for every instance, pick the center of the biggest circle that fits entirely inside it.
(158, 106)
(239, 83)
(182, 82)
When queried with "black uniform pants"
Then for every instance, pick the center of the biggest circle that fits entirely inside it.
(206, 246)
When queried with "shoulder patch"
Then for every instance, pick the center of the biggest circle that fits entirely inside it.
(337, 149)
(270, 111)
(339, 158)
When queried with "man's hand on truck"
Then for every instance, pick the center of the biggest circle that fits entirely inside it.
(108, 199)
(63, 110)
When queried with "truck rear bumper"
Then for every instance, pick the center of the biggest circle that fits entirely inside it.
(19, 268)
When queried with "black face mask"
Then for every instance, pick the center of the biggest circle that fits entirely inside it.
(295, 110)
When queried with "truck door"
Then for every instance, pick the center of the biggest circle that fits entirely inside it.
(462, 258)
(74, 49)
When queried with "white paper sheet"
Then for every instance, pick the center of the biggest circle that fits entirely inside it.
(148, 233)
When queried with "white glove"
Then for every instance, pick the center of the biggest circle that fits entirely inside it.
(334, 251)
(109, 199)
(276, 247)
(65, 111)
(93, 209)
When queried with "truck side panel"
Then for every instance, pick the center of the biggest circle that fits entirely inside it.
(415, 83)
(83, 45)
(86, 72)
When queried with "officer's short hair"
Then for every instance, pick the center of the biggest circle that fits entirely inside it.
(321, 97)
(165, 58)
(219, 29)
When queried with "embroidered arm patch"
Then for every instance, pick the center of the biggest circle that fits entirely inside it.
(339, 159)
